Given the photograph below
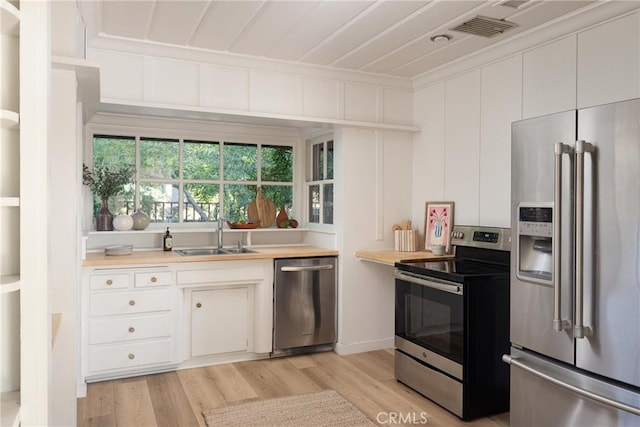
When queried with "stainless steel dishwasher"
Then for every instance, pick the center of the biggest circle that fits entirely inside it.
(304, 304)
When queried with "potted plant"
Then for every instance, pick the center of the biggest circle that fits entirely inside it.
(106, 182)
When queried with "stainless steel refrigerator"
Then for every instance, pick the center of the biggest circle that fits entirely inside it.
(575, 268)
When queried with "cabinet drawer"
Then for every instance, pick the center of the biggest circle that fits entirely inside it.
(113, 329)
(129, 355)
(107, 303)
(109, 281)
(157, 278)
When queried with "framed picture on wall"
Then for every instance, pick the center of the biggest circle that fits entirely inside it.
(438, 222)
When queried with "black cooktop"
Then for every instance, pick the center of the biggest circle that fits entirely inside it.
(456, 270)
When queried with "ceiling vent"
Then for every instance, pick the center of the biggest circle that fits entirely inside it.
(514, 4)
(485, 26)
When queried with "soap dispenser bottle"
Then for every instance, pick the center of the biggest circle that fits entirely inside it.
(167, 241)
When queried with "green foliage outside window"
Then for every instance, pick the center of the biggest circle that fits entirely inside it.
(199, 178)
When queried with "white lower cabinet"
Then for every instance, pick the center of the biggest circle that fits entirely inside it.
(152, 318)
(130, 321)
(219, 321)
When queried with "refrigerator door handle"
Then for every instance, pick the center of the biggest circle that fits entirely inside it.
(514, 361)
(559, 324)
(579, 329)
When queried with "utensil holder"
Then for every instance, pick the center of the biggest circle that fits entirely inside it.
(406, 240)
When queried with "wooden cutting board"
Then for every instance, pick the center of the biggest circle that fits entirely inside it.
(261, 211)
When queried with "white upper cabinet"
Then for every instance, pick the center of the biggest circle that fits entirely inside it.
(462, 148)
(549, 78)
(428, 149)
(501, 105)
(609, 62)
(277, 93)
(161, 77)
(360, 103)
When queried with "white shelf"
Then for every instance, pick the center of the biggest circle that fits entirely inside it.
(9, 20)
(10, 410)
(10, 202)
(9, 119)
(9, 284)
(197, 230)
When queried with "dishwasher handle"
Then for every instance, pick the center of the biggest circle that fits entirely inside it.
(307, 268)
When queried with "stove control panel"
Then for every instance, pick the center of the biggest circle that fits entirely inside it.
(482, 237)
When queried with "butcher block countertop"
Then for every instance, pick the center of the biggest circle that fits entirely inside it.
(161, 257)
(390, 257)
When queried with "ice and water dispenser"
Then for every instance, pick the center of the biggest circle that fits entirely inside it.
(535, 242)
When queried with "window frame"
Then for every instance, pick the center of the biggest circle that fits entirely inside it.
(246, 136)
(309, 182)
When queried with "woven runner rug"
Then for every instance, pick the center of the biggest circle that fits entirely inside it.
(325, 408)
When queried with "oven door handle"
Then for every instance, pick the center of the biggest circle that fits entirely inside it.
(454, 289)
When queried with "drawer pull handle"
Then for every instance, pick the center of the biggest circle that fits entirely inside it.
(132, 302)
(109, 282)
(132, 356)
(199, 305)
(132, 329)
(154, 279)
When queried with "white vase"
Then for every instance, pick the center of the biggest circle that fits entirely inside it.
(122, 222)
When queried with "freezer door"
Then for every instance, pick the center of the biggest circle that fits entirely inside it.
(612, 236)
(547, 394)
(532, 183)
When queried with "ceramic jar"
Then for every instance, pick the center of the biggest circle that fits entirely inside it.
(122, 222)
(140, 220)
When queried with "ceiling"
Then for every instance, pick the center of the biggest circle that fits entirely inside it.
(391, 38)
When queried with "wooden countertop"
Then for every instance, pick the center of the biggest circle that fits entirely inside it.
(161, 257)
(390, 257)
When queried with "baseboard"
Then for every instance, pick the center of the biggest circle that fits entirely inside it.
(361, 347)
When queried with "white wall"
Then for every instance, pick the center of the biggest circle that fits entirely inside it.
(367, 207)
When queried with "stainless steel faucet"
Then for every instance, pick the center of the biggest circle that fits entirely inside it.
(220, 229)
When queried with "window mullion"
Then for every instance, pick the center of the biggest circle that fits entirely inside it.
(181, 209)
(221, 179)
(137, 198)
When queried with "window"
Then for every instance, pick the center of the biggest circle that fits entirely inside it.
(320, 181)
(185, 180)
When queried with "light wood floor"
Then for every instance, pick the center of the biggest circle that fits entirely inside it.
(176, 399)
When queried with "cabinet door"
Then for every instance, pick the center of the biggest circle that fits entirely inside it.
(609, 62)
(219, 321)
(462, 146)
(501, 102)
(549, 78)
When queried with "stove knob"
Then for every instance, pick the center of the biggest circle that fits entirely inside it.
(460, 234)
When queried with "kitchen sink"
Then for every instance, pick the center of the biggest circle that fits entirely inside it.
(239, 251)
(206, 251)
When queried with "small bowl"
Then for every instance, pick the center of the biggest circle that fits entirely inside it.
(438, 249)
(247, 225)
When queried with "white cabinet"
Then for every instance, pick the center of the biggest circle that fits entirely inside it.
(130, 321)
(219, 321)
(501, 105)
(549, 78)
(609, 62)
(462, 146)
(228, 308)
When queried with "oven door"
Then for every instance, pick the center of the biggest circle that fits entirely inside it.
(429, 320)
